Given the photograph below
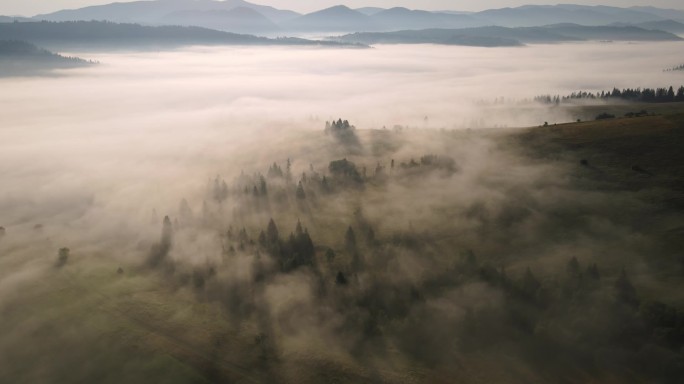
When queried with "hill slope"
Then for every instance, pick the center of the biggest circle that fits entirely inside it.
(22, 58)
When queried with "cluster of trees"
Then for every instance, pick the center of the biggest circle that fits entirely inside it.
(294, 252)
(275, 171)
(344, 132)
(63, 256)
(338, 126)
(219, 190)
(281, 187)
(344, 169)
(645, 95)
(677, 68)
(432, 161)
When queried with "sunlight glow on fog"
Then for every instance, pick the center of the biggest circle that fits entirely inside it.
(141, 122)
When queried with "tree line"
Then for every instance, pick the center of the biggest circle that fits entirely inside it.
(644, 95)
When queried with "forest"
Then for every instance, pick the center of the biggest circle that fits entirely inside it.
(645, 95)
(530, 266)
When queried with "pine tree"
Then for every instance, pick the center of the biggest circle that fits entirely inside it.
(262, 186)
(272, 232)
(167, 233)
(301, 195)
(350, 238)
(63, 256)
(340, 279)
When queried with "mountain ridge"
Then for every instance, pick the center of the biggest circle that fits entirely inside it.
(268, 20)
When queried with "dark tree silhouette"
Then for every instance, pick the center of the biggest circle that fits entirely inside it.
(161, 250)
(275, 171)
(350, 238)
(329, 255)
(167, 232)
(272, 232)
(340, 279)
(646, 95)
(63, 256)
(263, 190)
(301, 195)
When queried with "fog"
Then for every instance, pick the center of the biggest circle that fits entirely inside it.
(93, 159)
(141, 121)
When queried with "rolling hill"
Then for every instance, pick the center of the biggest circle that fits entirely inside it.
(335, 19)
(503, 36)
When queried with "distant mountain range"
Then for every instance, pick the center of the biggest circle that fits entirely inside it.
(106, 35)
(240, 16)
(22, 58)
(505, 36)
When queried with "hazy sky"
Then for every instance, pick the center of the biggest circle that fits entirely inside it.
(32, 7)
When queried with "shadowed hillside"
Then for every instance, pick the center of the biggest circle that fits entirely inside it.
(22, 58)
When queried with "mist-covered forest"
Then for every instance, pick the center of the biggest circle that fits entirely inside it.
(377, 256)
(280, 214)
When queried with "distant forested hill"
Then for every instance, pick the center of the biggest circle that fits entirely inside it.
(22, 58)
(503, 36)
(102, 34)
